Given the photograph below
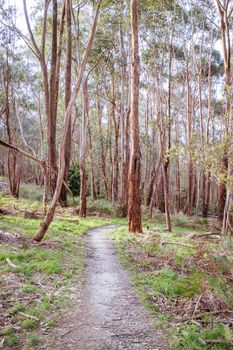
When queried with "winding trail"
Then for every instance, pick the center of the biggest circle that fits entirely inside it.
(109, 316)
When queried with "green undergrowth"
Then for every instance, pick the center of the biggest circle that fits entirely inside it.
(31, 192)
(37, 279)
(182, 277)
(23, 204)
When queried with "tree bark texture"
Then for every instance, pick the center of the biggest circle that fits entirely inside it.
(134, 196)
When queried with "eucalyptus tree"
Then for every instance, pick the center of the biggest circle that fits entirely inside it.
(50, 79)
(62, 164)
(225, 9)
(134, 196)
(68, 78)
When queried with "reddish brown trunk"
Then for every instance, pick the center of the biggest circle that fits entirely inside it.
(93, 186)
(166, 162)
(50, 214)
(134, 200)
(151, 186)
(160, 203)
(166, 197)
(222, 192)
(63, 195)
(115, 168)
(203, 190)
(194, 192)
(177, 186)
(188, 204)
(123, 121)
(224, 12)
(83, 175)
(102, 152)
(52, 120)
(13, 167)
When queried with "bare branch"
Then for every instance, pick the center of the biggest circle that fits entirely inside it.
(26, 154)
(38, 53)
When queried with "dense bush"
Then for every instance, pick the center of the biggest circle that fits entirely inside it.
(120, 210)
(31, 192)
(74, 179)
(100, 206)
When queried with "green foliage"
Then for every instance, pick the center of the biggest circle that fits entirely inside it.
(18, 307)
(56, 265)
(32, 340)
(151, 5)
(100, 206)
(167, 283)
(31, 192)
(7, 331)
(201, 221)
(74, 179)
(120, 211)
(11, 340)
(180, 221)
(27, 204)
(29, 324)
(167, 272)
(191, 337)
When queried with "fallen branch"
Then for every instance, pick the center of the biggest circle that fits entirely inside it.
(202, 314)
(68, 331)
(26, 154)
(11, 264)
(20, 299)
(227, 322)
(2, 343)
(42, 163)
(205, 235)
(224, 277)
(179, 244)
(28, 316)
(197, 303)
(4, 212)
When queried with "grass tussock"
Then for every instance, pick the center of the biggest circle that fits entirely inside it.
(36, 285)
(185, 279)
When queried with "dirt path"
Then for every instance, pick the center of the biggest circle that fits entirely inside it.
(109, 316)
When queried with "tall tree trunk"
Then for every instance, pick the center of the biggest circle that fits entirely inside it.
(188, 204)
(123, 175)
(83, 175)
(93, 185)
(52, 120)
(206, 205)
(50, 85)
(134, 200)
(12, 157)
(102, 152)
(177, 191)
(224, 193)
(166, 155)
(62, 165)
(115, 169)
(68, 72)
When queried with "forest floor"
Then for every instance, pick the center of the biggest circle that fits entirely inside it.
(109, 315)
(183, 278)
(39, 282)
